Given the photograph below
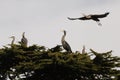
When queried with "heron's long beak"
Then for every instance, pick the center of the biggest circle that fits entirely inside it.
(10, 37)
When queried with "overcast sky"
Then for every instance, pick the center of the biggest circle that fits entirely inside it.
(43, 20)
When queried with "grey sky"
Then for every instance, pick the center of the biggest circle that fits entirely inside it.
(43, 20)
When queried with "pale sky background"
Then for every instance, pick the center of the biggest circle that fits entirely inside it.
(43, 20)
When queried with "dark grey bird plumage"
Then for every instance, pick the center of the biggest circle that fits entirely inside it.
(65, 45)
(24, 40)
(94, 17)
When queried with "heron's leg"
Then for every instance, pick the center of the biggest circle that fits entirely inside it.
(98, 22)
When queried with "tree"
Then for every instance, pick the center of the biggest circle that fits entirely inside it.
(39, 63)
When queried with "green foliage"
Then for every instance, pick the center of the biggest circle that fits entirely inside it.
(39, 63)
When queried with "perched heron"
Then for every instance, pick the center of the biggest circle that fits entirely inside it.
(94, 17)
(24, 40)
(65, 45)
(83, 50)
(12, 43)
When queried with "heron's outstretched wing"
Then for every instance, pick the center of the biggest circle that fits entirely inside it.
(81, 18)
(72, 18)
(101, 15)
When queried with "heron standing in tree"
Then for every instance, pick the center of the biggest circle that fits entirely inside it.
(12, 43)
(83, 50)
(24, 40)
(94, 17)
(65, 45)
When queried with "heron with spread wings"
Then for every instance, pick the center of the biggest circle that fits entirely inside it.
(94, 17)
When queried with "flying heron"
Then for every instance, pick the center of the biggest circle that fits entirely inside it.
(65, 45)
(24, 40)
(94, 17)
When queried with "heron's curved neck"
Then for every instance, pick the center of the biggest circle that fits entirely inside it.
(23, 35)
(13, 41)
(63, 37)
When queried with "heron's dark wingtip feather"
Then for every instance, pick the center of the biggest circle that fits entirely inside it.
(107, 13)
(69, 18)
